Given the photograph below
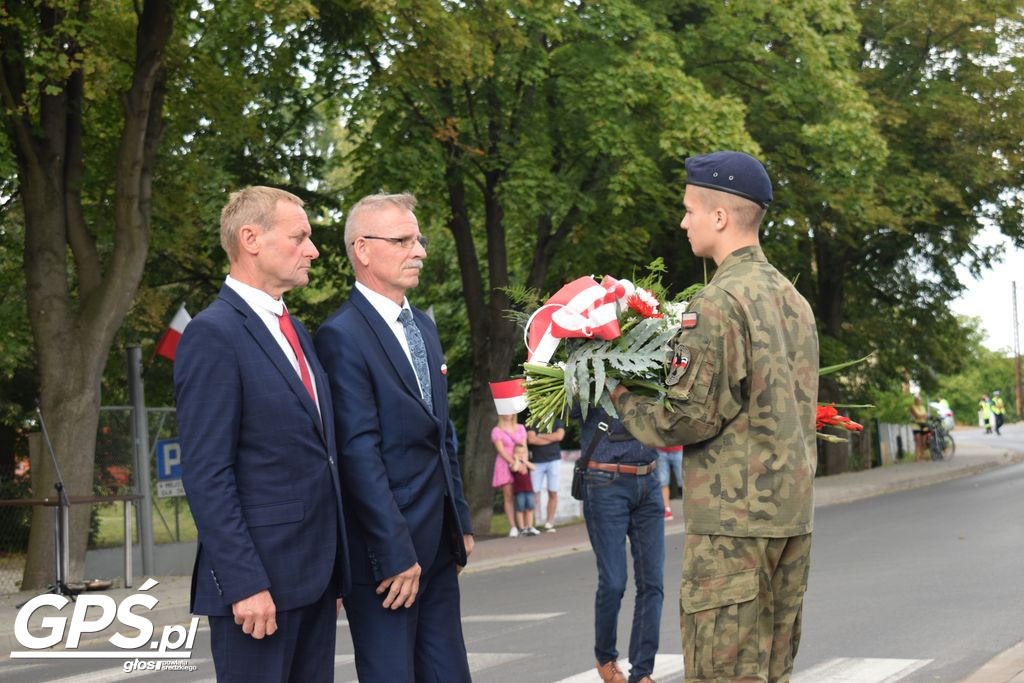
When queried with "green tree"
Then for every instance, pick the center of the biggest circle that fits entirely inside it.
(530, 131)
(84, 250)
(891, 130)
(259, 93)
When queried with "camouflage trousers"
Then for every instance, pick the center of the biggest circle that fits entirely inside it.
(740, 606)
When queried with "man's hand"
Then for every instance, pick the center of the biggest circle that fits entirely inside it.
(401, 588)
(468, 541)
(256, 615)
(618, 391)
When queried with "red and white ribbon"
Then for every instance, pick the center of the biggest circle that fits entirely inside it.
(582, 308)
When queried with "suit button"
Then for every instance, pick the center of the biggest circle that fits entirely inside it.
(330, 460)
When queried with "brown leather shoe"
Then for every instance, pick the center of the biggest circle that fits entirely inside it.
(609, 672)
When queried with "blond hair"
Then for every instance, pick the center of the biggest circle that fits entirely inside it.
(254, 205)
(373, 202)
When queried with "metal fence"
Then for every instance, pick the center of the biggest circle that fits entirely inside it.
(114, 478)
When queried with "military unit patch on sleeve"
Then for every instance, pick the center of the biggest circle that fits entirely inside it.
(681, 359)
(689, 321)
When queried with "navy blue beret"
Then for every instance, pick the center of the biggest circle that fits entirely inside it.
(733, 172)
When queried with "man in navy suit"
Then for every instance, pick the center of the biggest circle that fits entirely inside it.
(408, 521)
(258, 456)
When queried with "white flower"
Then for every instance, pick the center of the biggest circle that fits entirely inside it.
(674, 311)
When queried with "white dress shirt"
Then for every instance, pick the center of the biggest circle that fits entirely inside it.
(269, 311)
(390, 311)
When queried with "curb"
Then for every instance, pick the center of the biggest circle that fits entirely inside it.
(1008, 666)
(1004, 459)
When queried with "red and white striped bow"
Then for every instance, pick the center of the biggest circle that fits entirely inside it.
(582, 308)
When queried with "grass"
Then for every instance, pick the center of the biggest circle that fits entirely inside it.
(111, 523)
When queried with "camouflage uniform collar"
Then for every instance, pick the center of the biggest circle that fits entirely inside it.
(747, 254)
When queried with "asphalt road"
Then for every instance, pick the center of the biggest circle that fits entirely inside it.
(920, 585)
(932, 575)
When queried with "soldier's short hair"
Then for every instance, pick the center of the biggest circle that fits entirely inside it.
(254, 205)
(744, 212)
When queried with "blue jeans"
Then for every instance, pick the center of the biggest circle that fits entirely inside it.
(616, 506)
(672, 460)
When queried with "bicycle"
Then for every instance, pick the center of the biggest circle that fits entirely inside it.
(940, 441)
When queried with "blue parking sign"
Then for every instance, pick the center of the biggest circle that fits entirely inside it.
(168, 459)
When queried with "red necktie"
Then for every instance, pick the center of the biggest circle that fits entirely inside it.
(289, 333)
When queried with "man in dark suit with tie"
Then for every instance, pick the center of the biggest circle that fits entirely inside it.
(258, 456)
(408, 520)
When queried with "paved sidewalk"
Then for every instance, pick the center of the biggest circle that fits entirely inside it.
(173, 591)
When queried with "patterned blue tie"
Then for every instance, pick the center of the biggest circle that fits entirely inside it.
(419, 354)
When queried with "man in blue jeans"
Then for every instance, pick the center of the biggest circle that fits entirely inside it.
(622, 499)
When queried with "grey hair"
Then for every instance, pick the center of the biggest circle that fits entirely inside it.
(374, 202)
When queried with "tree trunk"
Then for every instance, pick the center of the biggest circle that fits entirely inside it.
(478, 458)
(71, 419)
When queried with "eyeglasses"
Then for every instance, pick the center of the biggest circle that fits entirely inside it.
(403, 242)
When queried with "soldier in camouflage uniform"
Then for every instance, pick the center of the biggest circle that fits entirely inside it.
(743, 387)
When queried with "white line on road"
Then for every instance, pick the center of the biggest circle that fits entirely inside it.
(478, 661)
(664, 666)
(117, 673)
(860, 670)
(495, 618)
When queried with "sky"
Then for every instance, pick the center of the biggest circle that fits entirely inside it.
(991, 297)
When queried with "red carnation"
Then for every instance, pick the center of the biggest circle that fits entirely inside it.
(645, 303)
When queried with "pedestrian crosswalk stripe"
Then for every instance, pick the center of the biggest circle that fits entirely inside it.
(493, 618)
(841, 670)
(497, 618)
(478, 661)
(860, 670)
(664, 666)
(667, 667)
(116, 674)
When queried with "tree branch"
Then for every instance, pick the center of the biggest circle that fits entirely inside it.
(83, 247)
(142, 109)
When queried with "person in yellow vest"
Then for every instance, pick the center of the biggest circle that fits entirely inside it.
(998, 410)
(985, 414)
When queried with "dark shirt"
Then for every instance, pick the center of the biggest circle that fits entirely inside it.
(617, 445)
(548, 452)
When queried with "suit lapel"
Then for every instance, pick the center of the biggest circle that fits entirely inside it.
(261, 335)
(389, 343)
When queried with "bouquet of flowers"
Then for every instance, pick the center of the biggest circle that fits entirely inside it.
(614, 329)
(590, 332)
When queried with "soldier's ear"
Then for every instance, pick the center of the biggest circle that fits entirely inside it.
(720, 217)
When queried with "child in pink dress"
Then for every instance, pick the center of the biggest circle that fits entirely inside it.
(506, 437)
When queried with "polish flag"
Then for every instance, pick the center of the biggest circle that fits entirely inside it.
(168, 344)
(509, 397)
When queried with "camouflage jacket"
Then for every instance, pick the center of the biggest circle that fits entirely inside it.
(743, 388)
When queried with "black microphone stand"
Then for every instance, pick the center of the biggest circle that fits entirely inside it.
(61, 526)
